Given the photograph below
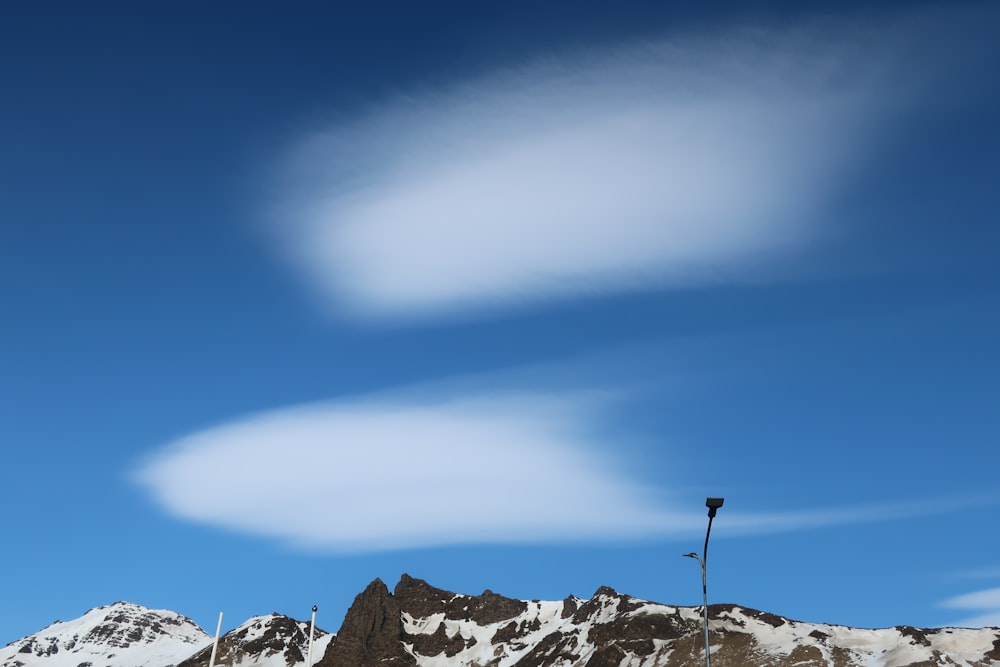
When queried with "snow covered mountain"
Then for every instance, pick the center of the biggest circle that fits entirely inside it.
(421, 626)
(264, 641)
(418, 625)
(119, 634)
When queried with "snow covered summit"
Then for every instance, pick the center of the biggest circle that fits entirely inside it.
(119, 634)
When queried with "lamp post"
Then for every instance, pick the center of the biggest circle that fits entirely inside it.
(713, 505)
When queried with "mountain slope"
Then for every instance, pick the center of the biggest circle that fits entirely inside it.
(422, 626)
(418, 625)
(264, 641)
(119, 634)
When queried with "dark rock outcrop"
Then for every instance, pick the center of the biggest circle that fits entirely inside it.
(994, 654)
(372, 633)
(419, 599)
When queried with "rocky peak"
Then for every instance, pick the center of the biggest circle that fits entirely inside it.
(124, 623)
(419, 599)
(603, 606)
(371, 634)
(490, 608)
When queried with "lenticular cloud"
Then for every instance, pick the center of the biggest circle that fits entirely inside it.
(389, 474)
(669, 164)
(459, 468)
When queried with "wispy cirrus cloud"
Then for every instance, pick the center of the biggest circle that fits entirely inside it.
(985, 602)
(676, 163)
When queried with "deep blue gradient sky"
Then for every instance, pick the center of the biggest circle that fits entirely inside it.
(297, 297)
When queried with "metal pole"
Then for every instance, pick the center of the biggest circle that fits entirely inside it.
(704, 597)
(713, 505)
(215, 646)
(708, 532)
(704, 584)
(312, 626)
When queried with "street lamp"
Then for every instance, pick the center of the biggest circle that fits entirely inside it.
(713, 505)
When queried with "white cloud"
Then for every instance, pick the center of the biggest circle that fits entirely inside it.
(668, 164)
(389, 474)
(988, 620)
(747, 523)
(985, 601)
(448, 465)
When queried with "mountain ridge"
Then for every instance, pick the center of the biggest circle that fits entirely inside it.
(148, 636)
(419, 625)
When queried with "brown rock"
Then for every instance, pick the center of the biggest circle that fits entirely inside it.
(372, 633)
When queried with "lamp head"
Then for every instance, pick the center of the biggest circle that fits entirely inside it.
(696, 557)
(713, 505)
(314, 608)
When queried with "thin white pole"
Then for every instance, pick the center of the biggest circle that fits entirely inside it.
(215, 646)
(312, 626)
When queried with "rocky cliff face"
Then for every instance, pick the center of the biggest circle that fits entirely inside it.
(370, 633)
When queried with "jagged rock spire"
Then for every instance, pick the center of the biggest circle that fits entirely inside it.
(372, 633)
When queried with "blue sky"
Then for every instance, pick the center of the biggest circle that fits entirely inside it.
(294, 298)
